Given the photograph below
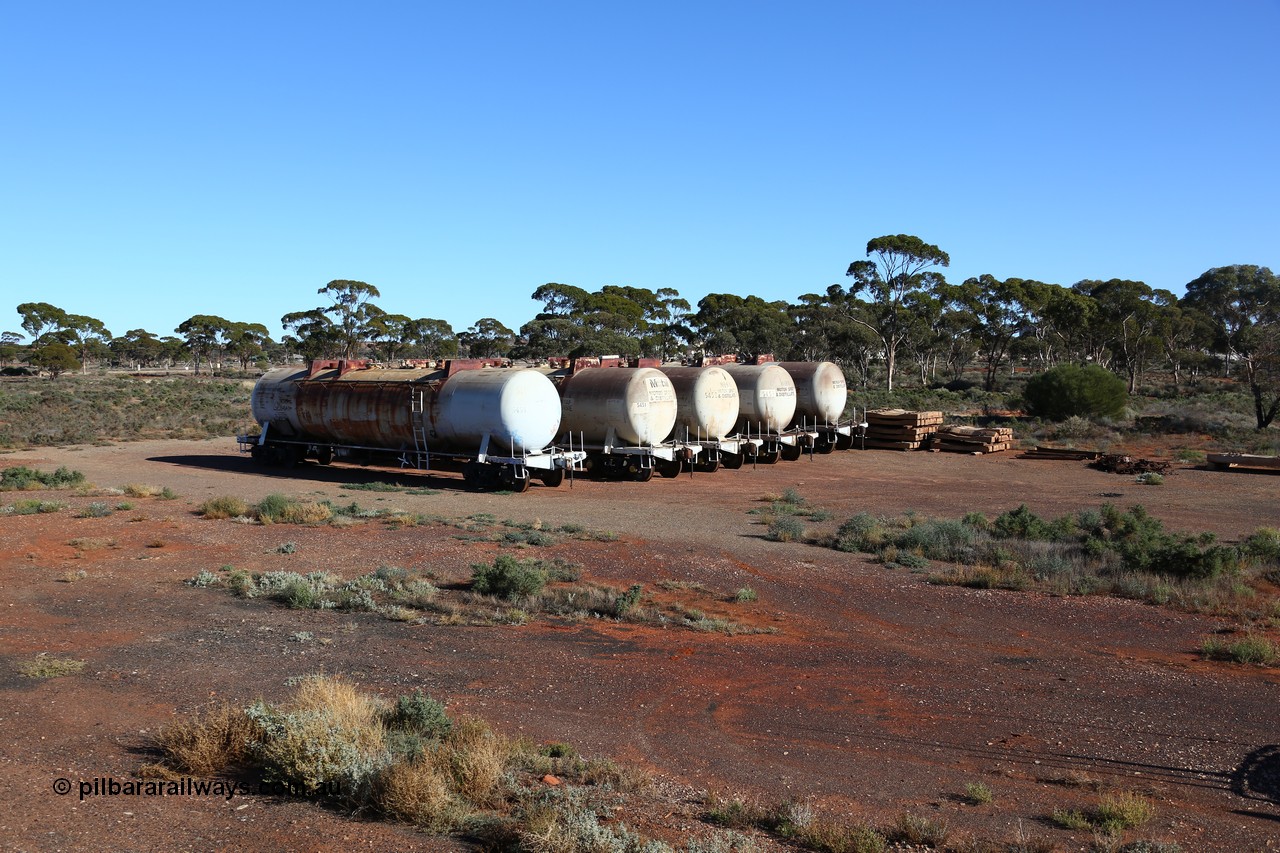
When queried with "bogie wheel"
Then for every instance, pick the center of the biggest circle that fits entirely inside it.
(324, 455)
(669, 469)
(642, 475)
(732, 461)
(844, 442)
(792, 452)
(825, 445)
(552, 477)
(708, 466)
(770, 457)
(510, 481)
(471, 473)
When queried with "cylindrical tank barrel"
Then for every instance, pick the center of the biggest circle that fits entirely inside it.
(706, 401)
(639, 404)
(820, 390)
(515, 407)
(766, 396)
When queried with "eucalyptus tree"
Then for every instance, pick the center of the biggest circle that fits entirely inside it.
(9, 346)
(487, 338)
(1243, 303)
(204, 335)
(748, 327)
(901, 266)
(352, 309)
(389, 334)
(1125, 324)
(997, 312)
(314, 334)
(247, 342)
(84, 335)
(39, 319)
(432, 338)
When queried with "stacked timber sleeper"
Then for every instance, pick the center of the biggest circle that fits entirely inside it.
(967, 439)
(899, 429)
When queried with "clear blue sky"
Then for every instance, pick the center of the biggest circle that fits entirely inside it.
(160, 160)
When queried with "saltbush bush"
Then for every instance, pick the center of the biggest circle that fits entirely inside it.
(1071, 390)
(507, 577)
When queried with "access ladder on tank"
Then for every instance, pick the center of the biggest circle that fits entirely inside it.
(421, 456)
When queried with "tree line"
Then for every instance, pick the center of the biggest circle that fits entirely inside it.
(896, 313)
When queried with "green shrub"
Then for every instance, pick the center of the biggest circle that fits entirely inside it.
(862, 532)
(938, 539)
(272, 508)
(1263, 544)
(419, 714)
(1020, 523)
(1070, 389)
(22, 478)
(96, 509)
(508, 578)
(745, 595)
(1250, 649)
(786, 529)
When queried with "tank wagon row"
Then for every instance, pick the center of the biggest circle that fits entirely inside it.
(507, 425)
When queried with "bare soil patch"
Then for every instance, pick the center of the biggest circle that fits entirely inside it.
(878, 694)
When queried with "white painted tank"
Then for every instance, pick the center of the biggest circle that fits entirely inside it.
(706, 401)
(766, 397)
(639, 404)
(820, 390)
(373, 408)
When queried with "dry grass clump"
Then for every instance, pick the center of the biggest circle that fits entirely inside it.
(418, 792)
(208, 743)
(45, 666)
(305, 512)
(406, 759)
(224, 507)
(91, 543)
(142, 490)
(476, 757)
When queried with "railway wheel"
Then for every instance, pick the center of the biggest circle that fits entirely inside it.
(792, 452)
(642, 475)
(708, 466)
(471, 474)
(770, 457)
(324, 455)
(510, 479)
(825, 445)
(844, 442)
(670, 469)
(732, 461)
(552, 477)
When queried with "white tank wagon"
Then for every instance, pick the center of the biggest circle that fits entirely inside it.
(620, 415)
(821, 396)
(766, 406)
(707, 410)
(499, 421)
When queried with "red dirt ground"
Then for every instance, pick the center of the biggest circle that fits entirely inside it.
(879, 694)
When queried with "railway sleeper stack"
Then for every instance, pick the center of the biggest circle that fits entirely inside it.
(1068, 453)
(975, 440)
(900, 429)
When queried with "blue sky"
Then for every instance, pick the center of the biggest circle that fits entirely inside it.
(161, 160)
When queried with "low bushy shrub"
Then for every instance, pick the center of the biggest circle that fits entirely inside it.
(1069, 389)
(509, 578)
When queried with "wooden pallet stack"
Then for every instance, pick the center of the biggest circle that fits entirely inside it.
(975, 440)
(899, 429)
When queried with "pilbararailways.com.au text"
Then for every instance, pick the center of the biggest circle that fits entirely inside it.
(106, 786)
